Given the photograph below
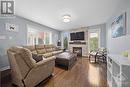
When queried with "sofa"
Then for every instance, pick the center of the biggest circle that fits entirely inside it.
(25, 71)
(45, 50)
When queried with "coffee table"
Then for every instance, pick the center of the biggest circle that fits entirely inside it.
(66, 60)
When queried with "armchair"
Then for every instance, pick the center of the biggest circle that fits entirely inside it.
(99, 54)
(102, 53)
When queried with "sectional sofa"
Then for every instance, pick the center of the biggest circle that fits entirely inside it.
(45, 50)
(25, 71)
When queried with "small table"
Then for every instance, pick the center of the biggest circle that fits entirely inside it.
(66, 59)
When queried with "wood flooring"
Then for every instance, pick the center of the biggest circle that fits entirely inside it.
(82, 74)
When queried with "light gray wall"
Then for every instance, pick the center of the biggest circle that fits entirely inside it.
(117, 45)
(102, 28)
(20, 37)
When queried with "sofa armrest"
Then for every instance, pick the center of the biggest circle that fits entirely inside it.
(40, 72)
(46, 60)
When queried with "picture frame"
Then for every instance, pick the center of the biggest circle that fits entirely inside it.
(11, 27)
(118, 26)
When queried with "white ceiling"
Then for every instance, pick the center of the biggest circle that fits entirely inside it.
(83, 12)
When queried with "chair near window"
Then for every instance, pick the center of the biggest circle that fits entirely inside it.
(99, 55)
(93, 54)
(102, 55)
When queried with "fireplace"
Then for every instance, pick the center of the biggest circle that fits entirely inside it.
(77, 50)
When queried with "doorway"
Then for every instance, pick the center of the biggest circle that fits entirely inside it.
(65, 40)
(94, 39)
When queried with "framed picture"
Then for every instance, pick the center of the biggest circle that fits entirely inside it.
(11, 27)
(118, 26)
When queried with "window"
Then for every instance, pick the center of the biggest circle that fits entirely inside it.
(65, 40)
(94, 39)
(36, 36)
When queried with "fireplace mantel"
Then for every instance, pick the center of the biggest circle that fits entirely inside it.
(78, 42)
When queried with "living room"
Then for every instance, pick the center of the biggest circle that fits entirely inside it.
(83, 43)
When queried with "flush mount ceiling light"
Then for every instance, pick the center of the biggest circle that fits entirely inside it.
(66, 18)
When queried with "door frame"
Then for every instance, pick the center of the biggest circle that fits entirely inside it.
(99, 37)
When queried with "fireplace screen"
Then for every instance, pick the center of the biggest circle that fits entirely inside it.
(77, 50)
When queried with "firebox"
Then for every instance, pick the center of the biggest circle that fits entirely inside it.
(77, 50)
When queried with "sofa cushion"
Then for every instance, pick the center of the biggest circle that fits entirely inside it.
(60, 51)
(31, 48)
(34, 52)
(25, 54)
(36, 57)
(57, 52)
(47, 55)
(54, 52)
(57, 49)
(16, 49)
(53, 48)
(49, 46)
(49, 50)
(51, 57)
(41, 46)
(41, 51)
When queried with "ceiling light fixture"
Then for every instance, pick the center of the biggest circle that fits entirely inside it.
(66, 18)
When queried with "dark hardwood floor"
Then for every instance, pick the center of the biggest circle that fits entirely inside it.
(82, 74)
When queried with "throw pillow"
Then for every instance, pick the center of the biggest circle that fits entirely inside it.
(37, 58)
